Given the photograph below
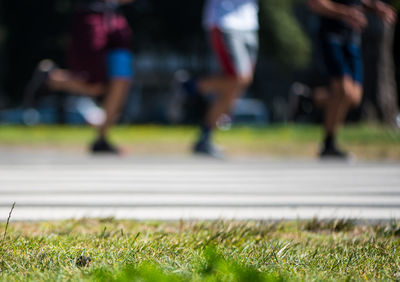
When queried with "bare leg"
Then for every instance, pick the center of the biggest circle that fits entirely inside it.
(337, 107)
(63, 80)
(116, 94)
(217, 84)
(227, 88)
(346, 93)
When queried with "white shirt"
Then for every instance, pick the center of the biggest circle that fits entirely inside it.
(231, 14)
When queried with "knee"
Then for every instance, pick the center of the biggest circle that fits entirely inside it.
(239, 84)
(356, 98)
(350, 92)
(353, 94)
(243, 81)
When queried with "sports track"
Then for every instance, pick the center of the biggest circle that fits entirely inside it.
(53, 185)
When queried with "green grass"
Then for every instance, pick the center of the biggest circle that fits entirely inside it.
(117, 250)
(374, 142)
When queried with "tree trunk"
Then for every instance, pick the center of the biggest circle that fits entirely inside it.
(372, 37)
(387, 93)
(396, 54)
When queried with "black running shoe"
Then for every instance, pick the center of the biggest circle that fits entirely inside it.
(37, 84)
(194, 105)
(333, 153)
(300, 101)
(102, 146)
(208, 149)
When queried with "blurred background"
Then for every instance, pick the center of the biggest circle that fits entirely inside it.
(168, 36)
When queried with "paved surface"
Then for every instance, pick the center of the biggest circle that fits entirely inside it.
(54, 185)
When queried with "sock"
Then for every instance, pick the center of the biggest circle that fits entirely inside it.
(329, 141)
(206, 132)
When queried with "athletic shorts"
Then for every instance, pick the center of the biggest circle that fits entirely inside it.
(94, 38)
(236, 50)
(342, 55)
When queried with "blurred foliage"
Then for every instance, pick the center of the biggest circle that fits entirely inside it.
(281, 34)
(396, 4)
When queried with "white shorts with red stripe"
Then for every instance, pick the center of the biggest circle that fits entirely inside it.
(236, 50)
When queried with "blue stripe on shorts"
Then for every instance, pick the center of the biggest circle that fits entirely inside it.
(120, 64)
(342, 57)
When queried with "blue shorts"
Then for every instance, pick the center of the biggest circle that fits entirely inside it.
(342, 55)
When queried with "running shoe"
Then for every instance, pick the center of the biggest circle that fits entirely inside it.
(102, 146)
(187, 82)
(333, 153)
(208, 149)
(37, 84)
(194, 104)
